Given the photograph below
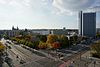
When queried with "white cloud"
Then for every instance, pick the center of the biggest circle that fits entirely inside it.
(21, 11)
(15, 3)
(16, 11)
(69, 6)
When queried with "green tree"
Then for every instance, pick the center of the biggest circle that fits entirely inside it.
(6, 36)
(63, 41)
(98, 35)
(30, 44)
(75, 39)
(42, 38)
(35, 43)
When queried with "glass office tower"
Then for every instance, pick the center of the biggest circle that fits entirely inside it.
(87, 24)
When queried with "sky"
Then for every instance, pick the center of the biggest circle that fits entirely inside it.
(45, 14)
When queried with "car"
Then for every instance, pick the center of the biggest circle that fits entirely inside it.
(9, 47)
(22, 61)
(8, 42)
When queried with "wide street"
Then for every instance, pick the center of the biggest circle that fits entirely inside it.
(22, 57)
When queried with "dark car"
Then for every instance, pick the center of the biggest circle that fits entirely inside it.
(9, 47)
(22, 62)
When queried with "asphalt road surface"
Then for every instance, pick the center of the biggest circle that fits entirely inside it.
(22, 57)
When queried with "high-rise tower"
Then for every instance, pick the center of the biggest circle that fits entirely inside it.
(87, 24)
(80, 23)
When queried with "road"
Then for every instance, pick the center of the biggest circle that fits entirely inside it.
(22, 54)
(28, 58)
(34, 58)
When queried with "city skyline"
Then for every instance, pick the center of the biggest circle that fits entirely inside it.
(44, 14)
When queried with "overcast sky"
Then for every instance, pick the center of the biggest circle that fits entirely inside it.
(41, 14)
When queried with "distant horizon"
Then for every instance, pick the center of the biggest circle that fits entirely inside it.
(39, 28)
(42, 28)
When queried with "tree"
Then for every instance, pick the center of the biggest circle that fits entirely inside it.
(42, 45)
(35, 43)
(27, 37)
(63, 41)
(75, 39)
(55, 45)
(51, 38)
(26, 43)
(96, 49)
(2, 47)
(22, 41)
(22, 33)
(6, 36)
(98, 35)
(30, 44)
(42, 38)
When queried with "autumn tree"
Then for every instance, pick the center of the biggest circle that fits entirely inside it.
(55, 45)
(42, 45)
(51, 38)
(96, 49)
(2, 47)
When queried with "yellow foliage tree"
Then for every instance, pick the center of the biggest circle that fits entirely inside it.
(95, 49)
(42, 45)
(51, 39)
(2, 47)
